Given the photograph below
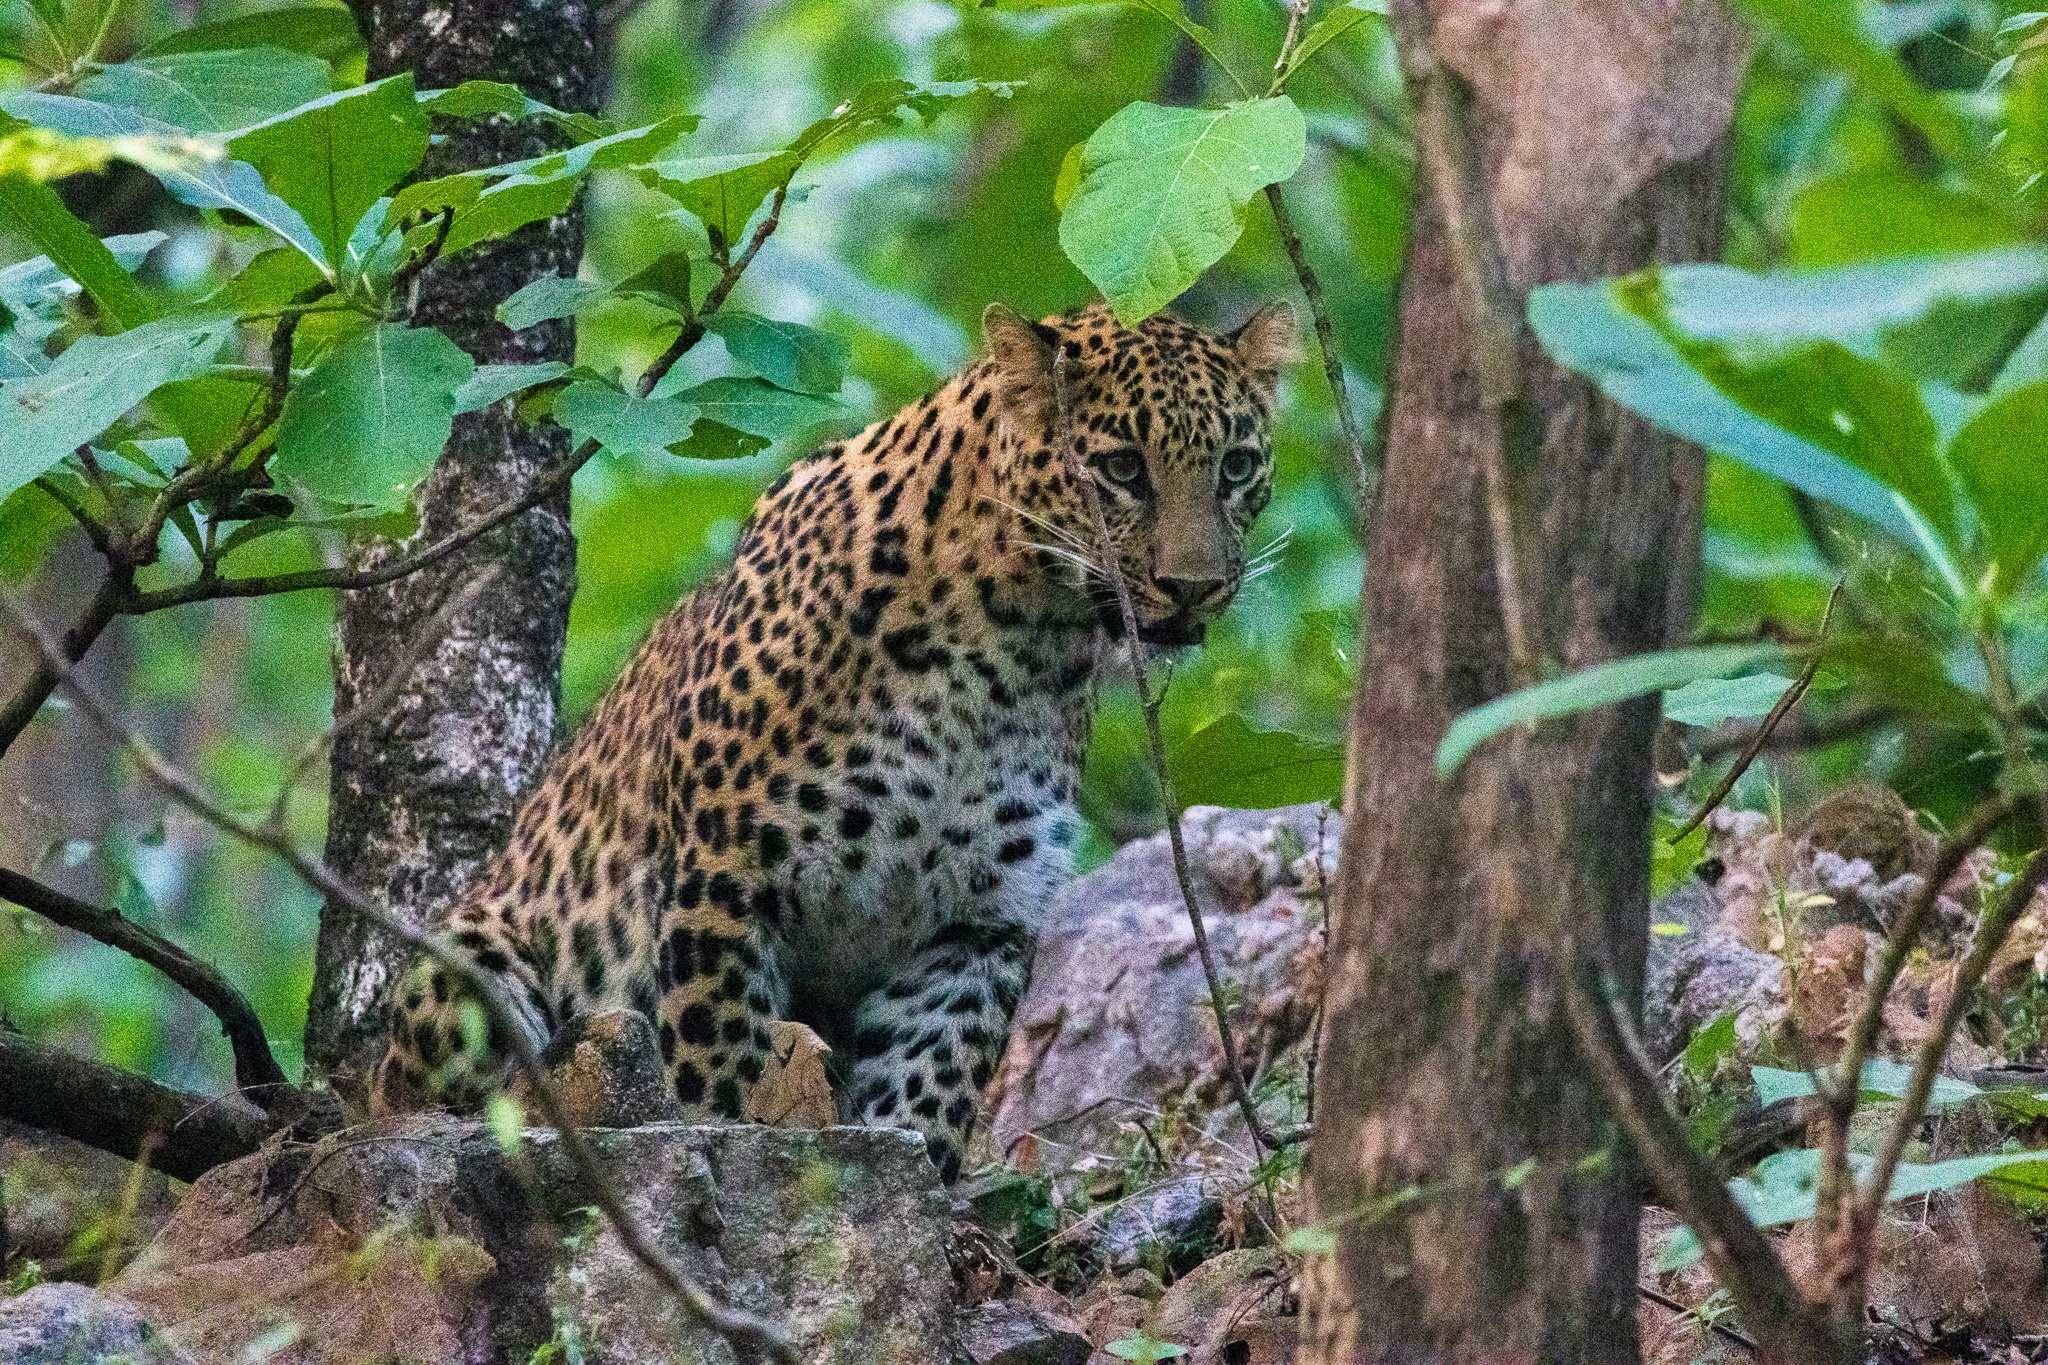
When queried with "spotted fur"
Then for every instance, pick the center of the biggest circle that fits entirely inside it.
(837, 783)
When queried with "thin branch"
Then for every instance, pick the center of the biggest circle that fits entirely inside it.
(1740, 1255)
(95, 531)
(1063, 426)
(1326, 336)
(1842, 1091)
(1719, 1329)
(1795, 734)
(1779, 710)
(35, 689)
(742, 1329)
(257, 1073)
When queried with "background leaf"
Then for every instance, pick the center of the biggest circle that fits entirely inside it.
(1998, 458)
(1710, 701)
(786, 354)
(1228, 762)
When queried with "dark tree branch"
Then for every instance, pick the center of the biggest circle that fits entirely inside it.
(257, 1073)
(176, 1132)
(42, 679)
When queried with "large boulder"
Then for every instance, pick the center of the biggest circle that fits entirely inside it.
(429, 1240)
(76, 1211)
(1116, 1031)
(69, 1324)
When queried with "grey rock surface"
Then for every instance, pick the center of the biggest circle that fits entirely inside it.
(69, 1324)
(1169, 1228)
(1116, 1026)
(422, 1240)
(1005, 1332)
(55, 1189)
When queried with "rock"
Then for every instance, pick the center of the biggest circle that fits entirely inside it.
(69, 1324)
(421, 1240)
(74, 1209)
(1004, 1332)
(1225, 1304)
(1116, 1025)
(1700, 977)
(1172, 1226)
(609, 1072)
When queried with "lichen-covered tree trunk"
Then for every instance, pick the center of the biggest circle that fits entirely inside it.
(423, 796)
(1480, 1199)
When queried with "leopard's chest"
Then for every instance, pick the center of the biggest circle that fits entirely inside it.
(961, 811)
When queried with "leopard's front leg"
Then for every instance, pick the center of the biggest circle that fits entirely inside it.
(926, 1044)
(718, 993)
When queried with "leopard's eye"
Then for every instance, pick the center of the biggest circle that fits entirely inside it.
(1238, 467)
(1124, 467)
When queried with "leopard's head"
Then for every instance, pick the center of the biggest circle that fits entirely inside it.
(1174, 426)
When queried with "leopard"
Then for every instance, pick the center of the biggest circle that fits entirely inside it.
(837, 784)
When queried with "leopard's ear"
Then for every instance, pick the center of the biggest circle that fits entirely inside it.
(1022, 352)
(1268, 340)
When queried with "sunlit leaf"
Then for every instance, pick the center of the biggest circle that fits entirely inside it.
(1600, 685)
(623, 424)
(1163, 194)
(724, 192)
(72, 253)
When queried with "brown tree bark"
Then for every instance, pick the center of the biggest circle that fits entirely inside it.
(1481, 1200)
(423, 797)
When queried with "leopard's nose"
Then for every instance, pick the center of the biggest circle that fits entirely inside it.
(1189, 593)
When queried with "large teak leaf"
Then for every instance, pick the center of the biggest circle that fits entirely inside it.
(1163, 192)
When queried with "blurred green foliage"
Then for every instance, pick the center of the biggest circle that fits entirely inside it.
(893, 243)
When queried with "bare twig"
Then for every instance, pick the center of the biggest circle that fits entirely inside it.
(742, 1329)
(1063, 427)
(1719, 1329)
(1841, 1091)
(1762, 734)
(1740, 1255)
(257, 1073)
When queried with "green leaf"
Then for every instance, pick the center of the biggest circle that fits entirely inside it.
(1585, 328)
(2028, 363)
(493, 382)
(751, 405)
(233, 186)
(210, 91)
(786, 354)
(1711, 701)
(1708, 1047)
(1163, 194)
(1849, 304)
(711, 440)
(1671, 864)
(1831, 31)
(1600, 685)
(272, 279)
(44, 417)
(1328, 29)
(723, 191)
(622, 424)
(491, 201)
(496, 99)
(549, 297)
(1141, 1348)
(37, 211)
(325, 31)
(882, 102)
(367, 423)
(1784, 1186)
(1882, 1078)
(1995, 456)
(1229, 763)
(334, 158)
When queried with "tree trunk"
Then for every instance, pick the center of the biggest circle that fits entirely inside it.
(1480, 1199)
(423, 797)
